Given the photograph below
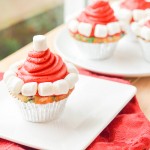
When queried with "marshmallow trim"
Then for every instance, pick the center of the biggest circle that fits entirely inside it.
(136, 14)
(71, 69)
(141, 31)
(77, 27)
(39, 43)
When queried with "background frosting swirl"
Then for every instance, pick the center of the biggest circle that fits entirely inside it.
(42, 66)
(135, 4)
(99, 12)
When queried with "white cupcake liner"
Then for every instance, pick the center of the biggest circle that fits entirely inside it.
(95, 50)
(41, 112)
(130, 35)
(145, 49)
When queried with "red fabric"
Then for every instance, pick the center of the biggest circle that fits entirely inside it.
(7, 145)
(130, 130)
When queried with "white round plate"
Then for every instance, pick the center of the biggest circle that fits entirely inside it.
(127, 60)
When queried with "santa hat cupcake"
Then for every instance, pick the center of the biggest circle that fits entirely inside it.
(133, 10)
(96, 31)
(42, 83)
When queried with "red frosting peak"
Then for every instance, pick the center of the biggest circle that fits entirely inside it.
(147, 24)
(42, 66)
(135, 4)
(98, 12)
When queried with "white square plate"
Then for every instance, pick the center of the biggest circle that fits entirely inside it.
(90, 108)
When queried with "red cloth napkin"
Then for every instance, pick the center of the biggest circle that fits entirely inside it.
(130, 130)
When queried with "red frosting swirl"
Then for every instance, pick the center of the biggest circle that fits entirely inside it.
(42, 66)
(147, 24)
(99, 12)
(135, 4)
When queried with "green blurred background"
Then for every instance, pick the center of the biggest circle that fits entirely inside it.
(20, 33)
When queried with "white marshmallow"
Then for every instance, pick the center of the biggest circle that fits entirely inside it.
(45, 89)
(29, 89)
(142, 21)
(100, 31)
(124, 15)
(122, 25)
(39, 43)
(71, 68)
(85, 29)
(145, 33)
(14, 85)
(71, 78)
(73, 26)
(135, 28)
(8, 74)
(138, 14)
(60, 87)
(14, 67)
(113, 28)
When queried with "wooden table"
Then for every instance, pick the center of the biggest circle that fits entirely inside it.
(142, 84)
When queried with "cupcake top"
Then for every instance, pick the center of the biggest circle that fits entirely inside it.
(142, 29)
(133, 10)
(42, 73)
(96, 20)
(41, 64)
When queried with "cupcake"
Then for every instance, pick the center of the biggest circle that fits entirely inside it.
(142, 31)
(42, 83)
(96, 31)
(132, 11)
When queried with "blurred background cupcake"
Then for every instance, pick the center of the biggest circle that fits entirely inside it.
(129, 11)
(142, 31)
(96, 31)
(42, 83)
